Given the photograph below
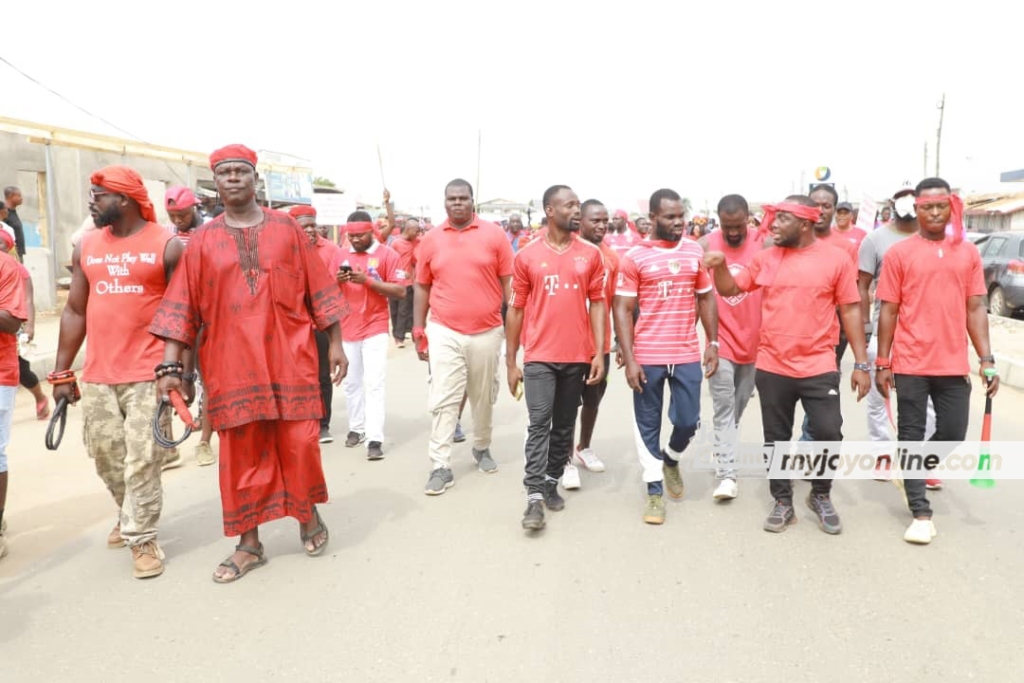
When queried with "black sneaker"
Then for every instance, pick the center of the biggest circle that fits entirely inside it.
(373, 451)
(552, 500)
(354, 439)
(780, 517)
(828, 518)
(533, 518)
(325, 435)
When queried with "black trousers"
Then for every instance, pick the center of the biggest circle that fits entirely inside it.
(401, 315)
(553, 393)
(819, 395)
(28, 379)
(951, 396)
(323, 344)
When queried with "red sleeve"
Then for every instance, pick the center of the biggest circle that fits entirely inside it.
(505, 254)
(890, 280)
(703, 283)
(846, 291)
(12, 291)
(326, 304)
(976, 284)
(520, 281)
(597, 278)
(391, 271)
(629, 278)
(746, 278)
(424, 275)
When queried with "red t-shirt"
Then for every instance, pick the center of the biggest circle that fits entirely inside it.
(622, 242)
(406, 250)
(666, 278)
(739, 317)
(799, 327)
(852, 234)
(464, 270)
(842, 242)
(611, 281)
(931, 281)
(370, 313)
(555, 289)
(126, 284)
(12, 300)
(331, 255)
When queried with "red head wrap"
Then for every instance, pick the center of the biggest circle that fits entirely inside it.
(358, 227)
(126, 181)
(6, 239)
(179, 198)
(301, 210)
(233, 153)
(807, 213)
(955, 231)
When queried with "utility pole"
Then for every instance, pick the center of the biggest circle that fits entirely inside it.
(924, 172)
(938, 135)
(479, 137)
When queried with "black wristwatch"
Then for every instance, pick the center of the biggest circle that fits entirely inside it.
(987, 359)
(866, 367)
(190, 377)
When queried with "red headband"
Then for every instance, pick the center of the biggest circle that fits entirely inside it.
(301, 210)
(955, 231)
(808, 213)
(358, 227)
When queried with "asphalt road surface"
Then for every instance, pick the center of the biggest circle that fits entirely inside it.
(417, 588)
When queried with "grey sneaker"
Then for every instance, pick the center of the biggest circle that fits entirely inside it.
(828, 518)
(440, 481)
(654, 511)
(354, 439)
(552, 499)
(673, 481)
(460, 435)
(484, 460)
(780, 517)
(374, 451)
(533, 518)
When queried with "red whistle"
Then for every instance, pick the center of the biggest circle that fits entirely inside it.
(181, 408)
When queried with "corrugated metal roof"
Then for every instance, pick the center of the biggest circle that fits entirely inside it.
(1001, 206)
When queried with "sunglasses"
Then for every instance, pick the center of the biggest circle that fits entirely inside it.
(94, 195)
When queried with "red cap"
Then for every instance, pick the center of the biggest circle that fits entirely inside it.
(301, 210)
(179, 198)
(233, 153)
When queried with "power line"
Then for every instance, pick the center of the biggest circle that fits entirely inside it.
(86, 111)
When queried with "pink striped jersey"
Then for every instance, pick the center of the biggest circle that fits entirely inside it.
(665, 277)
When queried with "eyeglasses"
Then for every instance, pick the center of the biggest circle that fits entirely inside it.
(94, 195)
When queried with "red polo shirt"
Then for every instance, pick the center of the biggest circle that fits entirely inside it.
(406, 250)
(464, 270)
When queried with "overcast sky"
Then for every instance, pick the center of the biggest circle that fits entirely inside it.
(706, 98)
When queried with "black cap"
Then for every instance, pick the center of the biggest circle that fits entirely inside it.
(844, 206)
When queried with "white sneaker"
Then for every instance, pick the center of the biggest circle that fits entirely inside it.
(571, 477)
(920, 531)
(588, 459)
(727, 490)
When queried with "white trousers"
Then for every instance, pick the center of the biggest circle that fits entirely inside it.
(364, 385)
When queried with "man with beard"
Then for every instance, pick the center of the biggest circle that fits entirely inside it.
(932, 289)
(621, 236)
(331, 256)
(463, 275)
(871, 256)
(119, 274)
(254, 284)
(554, 279)
(665, 278)
(405, 246)
(643, 227)
(593, 227)
(803, 281)
(845, 227)
(183, 210)
(368, 276)
(739, 323)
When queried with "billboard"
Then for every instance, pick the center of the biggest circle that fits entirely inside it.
(296, 188)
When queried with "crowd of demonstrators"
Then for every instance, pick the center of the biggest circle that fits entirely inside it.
(267, 315)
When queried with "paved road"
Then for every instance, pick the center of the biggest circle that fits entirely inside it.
(451, 589)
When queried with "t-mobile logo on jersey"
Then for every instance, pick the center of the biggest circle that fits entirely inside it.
(551, 284)
(664, 288)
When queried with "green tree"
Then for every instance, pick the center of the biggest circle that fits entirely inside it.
(320, 181)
